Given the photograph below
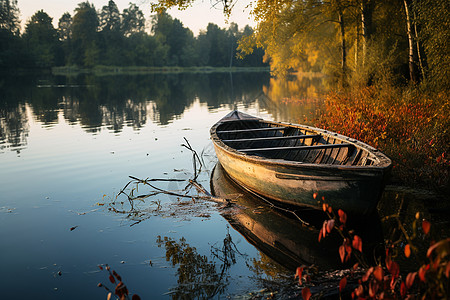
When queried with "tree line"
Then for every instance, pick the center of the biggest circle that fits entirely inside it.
(109, 37)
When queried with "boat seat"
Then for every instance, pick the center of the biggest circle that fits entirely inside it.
(313, 147)
(251, 130)
(274, 138)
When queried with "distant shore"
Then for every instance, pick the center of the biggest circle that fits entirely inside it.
(114, 70)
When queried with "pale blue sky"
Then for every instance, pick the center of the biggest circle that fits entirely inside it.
(196, 18)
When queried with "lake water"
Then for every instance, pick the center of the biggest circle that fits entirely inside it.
(67, 147)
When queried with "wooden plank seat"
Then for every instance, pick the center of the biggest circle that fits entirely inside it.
(251, 130)
(313, 147)
(275, 138)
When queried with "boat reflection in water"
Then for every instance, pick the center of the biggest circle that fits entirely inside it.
(283, 237)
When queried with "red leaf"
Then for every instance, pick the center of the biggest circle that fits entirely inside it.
(111, 278)
(447, 269)
(367, 275)
(342, 216)
(359, 291)
(407, 250)
(422, 273)
(348, 249)
(342, 252)
(306, 293)
(357, 243)
(426, 226)
(378, 273)
(410, 279)
(330, 225)
(394, 269)
(402, 289)
(320, 234)
(342, 283)
(315, 195)
(100, 267)
(373, 288)
(298, 273)
(324, 206)
(324, 228)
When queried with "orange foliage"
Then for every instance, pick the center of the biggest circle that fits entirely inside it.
(412, 129)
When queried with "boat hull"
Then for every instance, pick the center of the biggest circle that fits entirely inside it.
(356, 192)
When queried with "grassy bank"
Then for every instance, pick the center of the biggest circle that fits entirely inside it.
(136, 70)
(410, 126)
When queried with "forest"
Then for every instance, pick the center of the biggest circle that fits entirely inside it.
(108, 37)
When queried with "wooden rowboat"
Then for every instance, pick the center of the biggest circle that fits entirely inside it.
(300, 165)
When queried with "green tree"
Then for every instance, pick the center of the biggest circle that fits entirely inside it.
(145, 50)
(110, 17)
(133, 20)
(42, 39)
(111, 36)
(215, 46)
(84, 34)
(65, 34)
(9, 16)
(12, 53)
(179, 39)
(65, 27)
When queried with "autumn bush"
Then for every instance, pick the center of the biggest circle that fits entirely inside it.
(387, 278)
(409, 125)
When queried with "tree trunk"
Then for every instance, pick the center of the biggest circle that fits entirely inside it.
(366, 25)
(343, 47)
(419, 55)
(413, 69)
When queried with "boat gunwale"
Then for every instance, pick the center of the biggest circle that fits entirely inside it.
(383, 162)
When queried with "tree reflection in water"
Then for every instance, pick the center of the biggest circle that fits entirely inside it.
(198, 275)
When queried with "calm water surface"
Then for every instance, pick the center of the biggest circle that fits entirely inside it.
(67, 147)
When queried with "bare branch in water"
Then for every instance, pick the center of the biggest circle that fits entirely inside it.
(193, 191)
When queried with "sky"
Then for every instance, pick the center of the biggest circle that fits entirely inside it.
(195, 18)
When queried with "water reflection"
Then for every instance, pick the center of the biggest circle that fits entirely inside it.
(198, 276)
(285, 239)
(115, 102)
